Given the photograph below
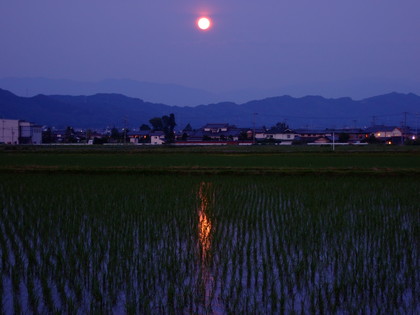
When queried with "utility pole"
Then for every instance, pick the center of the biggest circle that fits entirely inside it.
(253, 132)
(125, 121)
(373, 121)
(405, 124)
(402, 132)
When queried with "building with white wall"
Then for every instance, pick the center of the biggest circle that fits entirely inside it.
(30, 133)
(13, 131)
(9, 131)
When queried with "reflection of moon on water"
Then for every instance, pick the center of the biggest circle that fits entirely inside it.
(204, 240)
(204, 224)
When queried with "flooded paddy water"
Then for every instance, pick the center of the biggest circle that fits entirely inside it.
(134, 244)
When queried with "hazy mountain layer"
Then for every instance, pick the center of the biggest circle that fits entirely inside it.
(102, 110)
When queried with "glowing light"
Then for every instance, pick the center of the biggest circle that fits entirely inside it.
(204, 224)
(204, 238)
(204, 23)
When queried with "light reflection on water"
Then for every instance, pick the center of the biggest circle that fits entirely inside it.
(204, 238)
(204, 223)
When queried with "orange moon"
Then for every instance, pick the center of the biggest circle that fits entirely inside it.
(204, 23)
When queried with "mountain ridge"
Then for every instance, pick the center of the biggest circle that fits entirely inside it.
(180, 95)
(112, 109)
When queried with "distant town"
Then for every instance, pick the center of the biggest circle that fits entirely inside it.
(163, 131)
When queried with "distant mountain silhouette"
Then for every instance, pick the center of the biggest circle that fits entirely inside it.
(102, 110)
(173, 94)
(170, 94)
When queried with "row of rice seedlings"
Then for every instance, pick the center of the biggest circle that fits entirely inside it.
(316, 235)
(115, 243)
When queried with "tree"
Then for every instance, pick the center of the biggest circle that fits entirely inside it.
(282, 125)
(101, 140)
(88, 134)
(144, 127)
(188, 127)
(243, 135)
(69, 135)
(124, 134)
(169, 124)
(115, 134)
(156, 123)
(372, 139)
(343, 137)
(144, 139)
(165, 124)
(47, 136)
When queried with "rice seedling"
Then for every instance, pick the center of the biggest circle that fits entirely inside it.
(208, 244)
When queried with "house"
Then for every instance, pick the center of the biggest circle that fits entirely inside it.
(142, 136)
(147, 137)
(217, 128)
(13, 131)
(193, 136)
(322, 140)
(384, 132)
(331, 140)
(260, 133)
(249, 133)
(157, 138)
(309, 135)
(216, 132)
(346, 135)
(281, 135)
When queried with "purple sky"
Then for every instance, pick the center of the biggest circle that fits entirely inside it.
(262, 44)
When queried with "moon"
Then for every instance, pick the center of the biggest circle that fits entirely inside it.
(204, 23)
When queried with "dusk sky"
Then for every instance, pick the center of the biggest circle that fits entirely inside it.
(265, 44)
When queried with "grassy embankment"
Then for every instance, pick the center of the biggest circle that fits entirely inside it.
(234, 160)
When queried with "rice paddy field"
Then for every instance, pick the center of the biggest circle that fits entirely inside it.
(126, 236)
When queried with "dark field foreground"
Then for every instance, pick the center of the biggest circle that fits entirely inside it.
(165, 244)
(402, 160)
